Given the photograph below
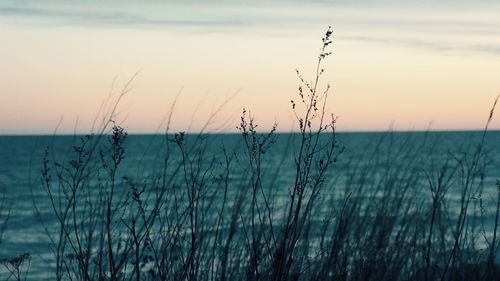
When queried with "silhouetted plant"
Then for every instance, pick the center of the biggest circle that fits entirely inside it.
(195, 212)
(17, 266)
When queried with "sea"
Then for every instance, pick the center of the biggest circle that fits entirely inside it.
(26, 209)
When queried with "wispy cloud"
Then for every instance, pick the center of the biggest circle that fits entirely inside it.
(462, 28)
(434, 45)
(104, 16)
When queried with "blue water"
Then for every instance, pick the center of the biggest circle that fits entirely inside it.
(367, 156)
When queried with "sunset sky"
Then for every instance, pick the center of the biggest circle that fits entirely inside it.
(405, 65)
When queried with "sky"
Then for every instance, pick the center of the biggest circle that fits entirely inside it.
(400, 65)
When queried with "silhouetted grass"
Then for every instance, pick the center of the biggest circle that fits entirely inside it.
(400, 214)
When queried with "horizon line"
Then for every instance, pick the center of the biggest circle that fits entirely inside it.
(264, 132)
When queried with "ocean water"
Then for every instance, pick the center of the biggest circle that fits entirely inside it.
(367, 161)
